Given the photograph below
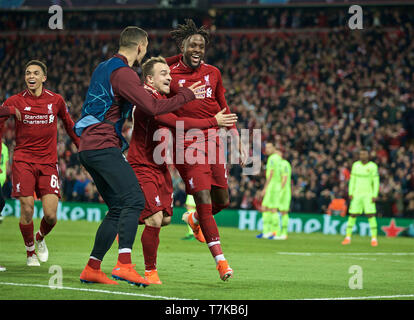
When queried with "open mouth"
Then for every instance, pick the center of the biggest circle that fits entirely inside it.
(31, 82)
(195, 59)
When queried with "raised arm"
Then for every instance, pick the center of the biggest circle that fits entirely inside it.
(126, 83)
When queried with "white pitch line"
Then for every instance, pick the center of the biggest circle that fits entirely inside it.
(347, 253)
(366, 298)
(93, 290)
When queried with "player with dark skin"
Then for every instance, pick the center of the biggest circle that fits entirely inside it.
(364, 158)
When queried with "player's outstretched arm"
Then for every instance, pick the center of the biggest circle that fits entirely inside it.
(7, 111)
(220, 119)
(126, 83)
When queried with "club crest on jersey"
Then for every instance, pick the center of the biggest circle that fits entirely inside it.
(49, 108)
(27, 108)
(182, 81)
(207, 79)
(157, 201)
(191, 183)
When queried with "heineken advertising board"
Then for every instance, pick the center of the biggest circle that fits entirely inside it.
(242, 219)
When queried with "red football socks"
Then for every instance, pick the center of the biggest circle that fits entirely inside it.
(209, 228)
(94, 263)
(45, 228)
(150, 240)
(27, 233)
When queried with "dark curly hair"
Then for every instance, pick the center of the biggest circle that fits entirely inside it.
(183, 31)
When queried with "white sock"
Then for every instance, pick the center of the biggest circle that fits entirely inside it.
(219, 257)
(124, 250)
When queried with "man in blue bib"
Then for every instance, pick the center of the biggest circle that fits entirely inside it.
(114, 89)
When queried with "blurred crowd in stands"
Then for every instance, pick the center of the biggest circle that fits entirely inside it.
(319, 96)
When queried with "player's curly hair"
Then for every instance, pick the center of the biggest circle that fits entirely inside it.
(183, 31)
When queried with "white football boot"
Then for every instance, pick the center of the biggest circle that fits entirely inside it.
(42, 251)
(32, 261)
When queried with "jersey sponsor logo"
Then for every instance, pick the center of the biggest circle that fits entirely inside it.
(27, 108)
(51, 118)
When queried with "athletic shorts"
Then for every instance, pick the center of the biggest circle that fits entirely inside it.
(270, 199)
(201, 176)
(30, 178)
(156, 184)
(283, 204)
(362, 204)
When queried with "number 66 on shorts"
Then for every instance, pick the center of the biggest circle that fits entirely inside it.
(34, 178)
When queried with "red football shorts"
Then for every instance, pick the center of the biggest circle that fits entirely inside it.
(156, 184)
(30, 178)
(201, 176)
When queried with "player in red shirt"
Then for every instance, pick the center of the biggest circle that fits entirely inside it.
(153, 174)
(206, 181)
(34, 168)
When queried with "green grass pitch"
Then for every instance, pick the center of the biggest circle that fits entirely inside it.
(306, 266)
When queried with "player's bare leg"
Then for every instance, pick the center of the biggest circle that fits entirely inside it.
(150, 240)
(210, 231)
(26, 228)
(50, 204)
(220, 199)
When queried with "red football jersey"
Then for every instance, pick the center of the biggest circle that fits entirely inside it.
(214, 99)
(142, 144)
(36, 133)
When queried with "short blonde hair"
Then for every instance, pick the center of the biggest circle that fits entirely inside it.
(148, 66)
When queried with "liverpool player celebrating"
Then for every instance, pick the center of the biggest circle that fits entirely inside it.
(34, 168)
(115, 87)
(206, 181)
(155, 179)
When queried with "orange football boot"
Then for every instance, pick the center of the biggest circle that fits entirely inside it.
(346, 241)
(90, 275)
(374, 242)
(126, 272)
(198, 234)
(152, 277)
(224, 270)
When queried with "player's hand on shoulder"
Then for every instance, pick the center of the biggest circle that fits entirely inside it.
(225, 120)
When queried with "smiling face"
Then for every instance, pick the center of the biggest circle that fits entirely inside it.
(34, 78)
(160, 78)
(193, 50)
